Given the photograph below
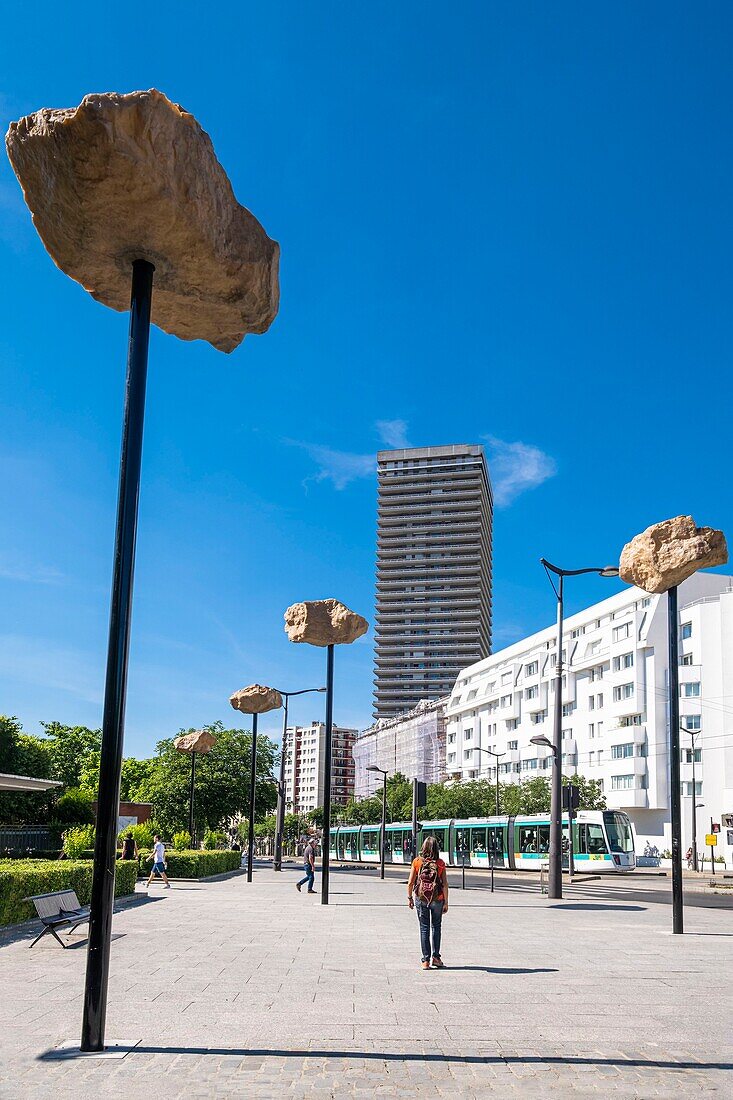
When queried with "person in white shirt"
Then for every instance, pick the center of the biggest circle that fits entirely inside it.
(158, 862)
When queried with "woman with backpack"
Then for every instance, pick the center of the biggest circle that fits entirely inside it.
(427, 892)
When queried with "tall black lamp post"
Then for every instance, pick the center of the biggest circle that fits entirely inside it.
(383, 830)
(497, 756)
(555, 875)
(255, 700)
(325, 623)
(110, 213)
(280, 820)
(693, 734)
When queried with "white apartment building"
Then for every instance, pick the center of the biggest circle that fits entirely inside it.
(305, 762)
(615, 711)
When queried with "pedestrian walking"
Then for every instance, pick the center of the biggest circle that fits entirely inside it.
(129, 847)
(158, 858)
(688, 857)
(309, 866)
(427, 893)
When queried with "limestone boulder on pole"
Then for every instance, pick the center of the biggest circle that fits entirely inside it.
(197, 741)
(668, 553)
(323, 623)
(127, 177)
(256, 699)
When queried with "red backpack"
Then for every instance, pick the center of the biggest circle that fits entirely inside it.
(428, 881)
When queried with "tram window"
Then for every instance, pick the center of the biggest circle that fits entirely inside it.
(544, 839)
(596, 840)
(478, 840)
(528, 838)
(463, 840)
(387, 841)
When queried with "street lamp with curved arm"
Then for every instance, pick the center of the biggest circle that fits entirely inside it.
(497, 756)
(383, 831)
(280, 821)
(554, 889)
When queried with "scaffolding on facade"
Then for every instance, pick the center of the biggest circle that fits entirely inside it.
(412, 743)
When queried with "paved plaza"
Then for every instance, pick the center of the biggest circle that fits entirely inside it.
(229, 989)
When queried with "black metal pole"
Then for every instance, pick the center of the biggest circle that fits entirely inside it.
(712, 849)
(383, 830)
(325, 860)
(413, 847)
(694, 809)
(115, 689)
(252, 793)
(571, 861)
(674, 759)
(191, 826)
(497, 788)
(280, 824)
(555, 875)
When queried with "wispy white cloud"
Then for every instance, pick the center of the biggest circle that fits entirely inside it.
(51, 668)
(338, 467)
(516, 467)
(393, 433)
(343, 467)
(31, 574)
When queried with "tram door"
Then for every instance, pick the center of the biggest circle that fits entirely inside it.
(496, 846)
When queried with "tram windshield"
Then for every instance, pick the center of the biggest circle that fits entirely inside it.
(618, 830)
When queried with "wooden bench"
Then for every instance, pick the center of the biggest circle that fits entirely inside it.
(60, 909)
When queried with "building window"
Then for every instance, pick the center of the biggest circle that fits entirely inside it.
(692, 721)
(592, 758)
(512, 746)
(532, 668)
(630, 720)
(471, 694)
(451, 738)
(686, 659)
(622, 782)
(686, 788)
(567, 734)
(620, 752)
(530, 764)
(591, 702)
(451, 758)
(692, 690)
(506, 700)
(467, 754)
(599, 701)
(686, 630)
(621, 632)
(686, 756)
(538, 716)
(468, 734)
(506, 678)
(626, 660)
(591, 730)
(623, 691)
(531, 692)
(567, 709)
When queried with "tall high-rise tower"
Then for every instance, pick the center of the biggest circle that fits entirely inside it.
(433, 614)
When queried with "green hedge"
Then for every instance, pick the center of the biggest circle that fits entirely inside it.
(21, 878)
(195, 864)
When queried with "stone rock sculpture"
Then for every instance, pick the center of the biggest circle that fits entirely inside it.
(323, 623)
(667, 553)
(256, 699)
(125, 177)
(198, 741)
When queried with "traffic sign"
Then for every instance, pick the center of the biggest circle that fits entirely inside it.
(714, 827)
(711, 840)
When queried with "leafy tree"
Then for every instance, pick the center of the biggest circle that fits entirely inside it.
(23, 754)
(221, 786)
(68, 748)
(74, 807)
(590, 793)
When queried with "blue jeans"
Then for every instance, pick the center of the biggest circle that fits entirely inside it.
(427, 914)
(310, 876)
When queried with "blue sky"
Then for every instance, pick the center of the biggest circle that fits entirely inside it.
(507, 224)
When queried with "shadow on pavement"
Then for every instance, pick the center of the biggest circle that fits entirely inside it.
(17, 933)
(600, 906)
(384, 1056)
(508, 969)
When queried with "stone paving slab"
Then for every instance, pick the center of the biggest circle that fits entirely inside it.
(233, 989)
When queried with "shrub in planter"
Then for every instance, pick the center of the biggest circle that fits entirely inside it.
(77, 840)
(141, 834)
(21, 878)
(74, 807)
(182, 841)
(200, 864)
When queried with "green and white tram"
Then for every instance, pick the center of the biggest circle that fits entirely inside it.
(603, 840)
